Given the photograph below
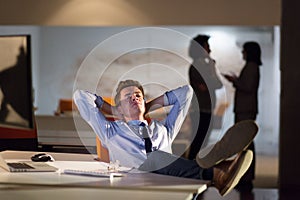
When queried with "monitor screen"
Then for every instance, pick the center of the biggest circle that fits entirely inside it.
(16, 98)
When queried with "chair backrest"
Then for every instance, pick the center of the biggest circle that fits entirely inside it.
(65, 107)
(102, 152)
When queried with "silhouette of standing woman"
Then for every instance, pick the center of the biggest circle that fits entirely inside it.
(245, 100)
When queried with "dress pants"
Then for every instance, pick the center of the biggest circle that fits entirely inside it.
(200, 127)
(168, 164)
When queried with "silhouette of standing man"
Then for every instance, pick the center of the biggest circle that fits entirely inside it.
(204, 81)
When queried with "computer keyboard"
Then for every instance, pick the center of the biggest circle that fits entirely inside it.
(19, 166)
(98, 173)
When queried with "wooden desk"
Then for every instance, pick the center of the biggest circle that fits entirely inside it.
(131, 182)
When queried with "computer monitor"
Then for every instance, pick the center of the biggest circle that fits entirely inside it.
(16, 93)
(16, 100)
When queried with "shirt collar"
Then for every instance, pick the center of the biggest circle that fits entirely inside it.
(137, 122)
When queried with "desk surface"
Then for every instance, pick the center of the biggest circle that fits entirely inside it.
(51, 193)
(131, 182)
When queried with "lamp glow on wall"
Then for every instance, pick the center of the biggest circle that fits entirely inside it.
(225, 51)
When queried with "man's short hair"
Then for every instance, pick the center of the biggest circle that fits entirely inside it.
(124, 84)
(195, 50)
(201, 39)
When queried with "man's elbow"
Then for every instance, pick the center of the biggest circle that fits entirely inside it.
(189, 92)
(77, 94)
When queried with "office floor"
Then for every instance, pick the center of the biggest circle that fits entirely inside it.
(255, 194)
(266, 171)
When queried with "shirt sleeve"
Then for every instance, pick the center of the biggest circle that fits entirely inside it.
(85, 102)
(180, 100)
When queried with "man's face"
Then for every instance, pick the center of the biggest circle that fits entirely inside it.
(206, 47)
(244, 54)
(132, 102)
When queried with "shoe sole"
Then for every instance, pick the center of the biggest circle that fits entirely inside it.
(236, 139)
(243, 165)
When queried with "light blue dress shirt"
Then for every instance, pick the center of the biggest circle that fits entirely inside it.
(123, 140)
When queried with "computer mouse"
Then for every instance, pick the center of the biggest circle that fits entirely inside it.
(41, 157)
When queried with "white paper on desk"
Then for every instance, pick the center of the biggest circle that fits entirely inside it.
(84, 165)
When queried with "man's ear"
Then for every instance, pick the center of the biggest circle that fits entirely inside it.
(146, 108)
(119, 109)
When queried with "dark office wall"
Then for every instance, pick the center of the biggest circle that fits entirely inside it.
(289, 163)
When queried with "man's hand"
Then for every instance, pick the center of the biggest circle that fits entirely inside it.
(230, 78)
(105, 107)
(99, 101)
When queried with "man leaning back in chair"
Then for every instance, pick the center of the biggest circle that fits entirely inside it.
(147, 146)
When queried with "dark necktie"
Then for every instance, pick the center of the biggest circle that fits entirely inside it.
(145, 134)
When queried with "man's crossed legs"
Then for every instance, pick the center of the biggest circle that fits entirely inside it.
(212, 163)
